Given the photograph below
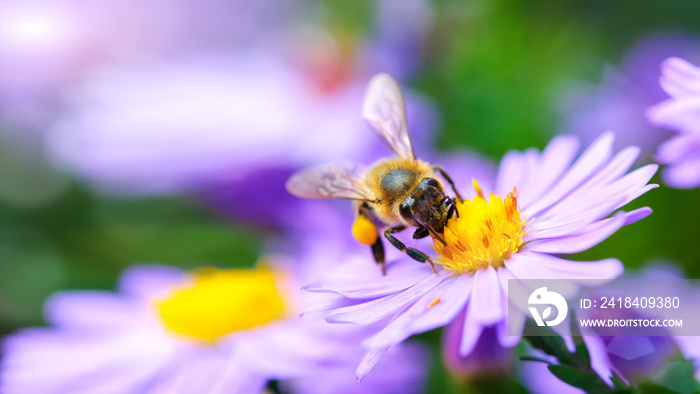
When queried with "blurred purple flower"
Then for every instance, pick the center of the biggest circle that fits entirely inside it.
(565, 206)
(681, 153)
(227, 124)
(619, 102)
(634, 358)
(229, 129)
(489, 356)
(401, 370)
(46, 47)
(214, 331)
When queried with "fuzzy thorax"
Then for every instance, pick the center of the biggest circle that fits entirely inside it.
(485, 233)
(218, 302)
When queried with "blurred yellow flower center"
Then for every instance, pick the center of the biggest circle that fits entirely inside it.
(219, 302)
(485, 233)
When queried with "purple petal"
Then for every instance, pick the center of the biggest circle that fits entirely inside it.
(555, 159)
(150, 281)
(375, 310)
(633, 184)
(46, 360)
(319, 305)
(451, 302)
(616, 168)
(436, 309)
(572, 221)
(486, 305)
(369, 361)
(515, 321)
(237, 382)
(470, 334)
(570, 216)
(209, 371)
(510, 172)
(590, 161)
(678, 148)
(684, 175)
(91, 309)
(361, 288)
(290, 348)
(589, 236)
(530, 165)
(592, 194)
(680, 78)
(600, 361)
(624, 189)
(637, 215)
(676, 114)
(533, 265)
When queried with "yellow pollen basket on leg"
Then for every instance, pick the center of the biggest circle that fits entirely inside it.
(485, 233)
(364, 230)
(218, 302)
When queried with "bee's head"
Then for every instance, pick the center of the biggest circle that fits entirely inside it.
(426, 205)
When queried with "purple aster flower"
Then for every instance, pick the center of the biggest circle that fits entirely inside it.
(543, 203)
(681, 153)
(210, 331)
(619, 101)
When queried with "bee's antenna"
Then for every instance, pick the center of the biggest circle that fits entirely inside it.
(436, 235)
(449, 180)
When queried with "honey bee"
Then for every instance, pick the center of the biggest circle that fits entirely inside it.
(393, 193)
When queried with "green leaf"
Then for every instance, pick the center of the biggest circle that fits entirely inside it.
(618, 382)
(653, 388)
(678, 377)
(551, 343)
(587, 381)
(533, 358)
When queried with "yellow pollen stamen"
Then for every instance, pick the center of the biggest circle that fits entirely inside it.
(485, 233)
(478, 188)
(432, 304)
(218, 302)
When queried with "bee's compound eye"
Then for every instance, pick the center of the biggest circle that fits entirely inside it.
(405, 208)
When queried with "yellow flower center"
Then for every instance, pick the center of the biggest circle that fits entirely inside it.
(485, 233)
(219, 302)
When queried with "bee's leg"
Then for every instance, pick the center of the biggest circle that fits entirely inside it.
(377, 246)
(449, 180)
(421, 233)
(378, 253)
(453, 208)
(415, 254)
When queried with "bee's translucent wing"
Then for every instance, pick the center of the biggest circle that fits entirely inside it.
(385, 110)
(339, 180)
